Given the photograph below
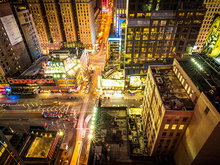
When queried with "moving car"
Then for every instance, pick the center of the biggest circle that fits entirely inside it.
(56, 102)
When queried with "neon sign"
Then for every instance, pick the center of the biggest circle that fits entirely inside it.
(53, 67)
(31, 81)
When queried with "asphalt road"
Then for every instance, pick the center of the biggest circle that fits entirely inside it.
(80, 154)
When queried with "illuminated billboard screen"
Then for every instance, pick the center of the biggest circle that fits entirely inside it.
(12, 29)
(53, 67)
(212, 44)
(136, 81)
(112, 83)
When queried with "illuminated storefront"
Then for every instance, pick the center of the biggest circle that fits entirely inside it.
(134, 111)
(4, 88)
(110, 86)
(137, 81)
(55, 78)
(60, 71)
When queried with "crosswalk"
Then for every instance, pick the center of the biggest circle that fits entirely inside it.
(32, 105)
(42, 107)
(25, 105)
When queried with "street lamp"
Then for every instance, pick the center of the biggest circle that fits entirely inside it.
(90, 136)
(94, 110)
(60, 133)
(92, 127)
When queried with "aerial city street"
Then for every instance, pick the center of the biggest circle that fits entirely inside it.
(109, 82)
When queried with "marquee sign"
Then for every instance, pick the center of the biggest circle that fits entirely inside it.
(31, 81)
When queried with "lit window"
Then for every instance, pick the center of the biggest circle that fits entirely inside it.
(131, 15)
(166, 126)
(181, 127)
(174, 126)
(139, 15)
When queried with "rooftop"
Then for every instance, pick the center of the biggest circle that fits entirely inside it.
(204, 76)
(64, 53)
(40, 147)
(35, 68)
(172, 92)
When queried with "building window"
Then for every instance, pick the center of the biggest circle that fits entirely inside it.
(206, 111)
(176, 120)
(185, 119)
(181, 127)
(164, 134)
(168, 120)
(178, 134)
(139, 15)
(174, 126)
(166, 126)
(171, 134)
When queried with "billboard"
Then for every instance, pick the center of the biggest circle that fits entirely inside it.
(53, 67)
(212, 44)
(137, 81)
(112, 83)
(39, 81)
(12, 30)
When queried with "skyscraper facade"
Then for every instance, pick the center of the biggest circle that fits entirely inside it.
(105, 5)
(52, 14)
(28, 31)
(200, 143)
(119, 15)
(63, 21)
(67, 13)
(35, 8)
(213, 8)
(15, 57)
(158, 31)
(167, 110)
(85, 16)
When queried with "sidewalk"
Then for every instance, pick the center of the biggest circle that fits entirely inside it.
(123, 100)
(123, 96)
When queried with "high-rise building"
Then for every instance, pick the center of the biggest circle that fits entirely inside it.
(119, 15)
(54, 23)
(63, 21)
(28, 32)
(213, 8)
(85, 15)
(192, 139)
(105, 5)
(167, 110)
(158, 31)
(98, 20)
(14, 56)
(173, 125)
(199, 144)
(113, 48)
(37, 12)
(67, 13)
(8, 142)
